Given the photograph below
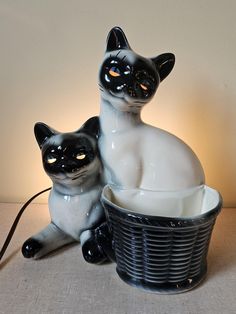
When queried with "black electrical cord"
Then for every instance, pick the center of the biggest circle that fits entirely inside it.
(15, 223)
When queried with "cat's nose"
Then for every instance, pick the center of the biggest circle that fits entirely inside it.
(134, 90)
(69, 167)
(131, 92)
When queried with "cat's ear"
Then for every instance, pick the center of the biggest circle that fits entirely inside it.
(91, 127)
(164, 64)
(43, 132)
(116, 40)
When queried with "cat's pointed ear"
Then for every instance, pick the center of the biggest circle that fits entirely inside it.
(43, 132)
(164, 64)
(91, 127)
(116, 40)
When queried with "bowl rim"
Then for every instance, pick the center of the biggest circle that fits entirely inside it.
(153, 219)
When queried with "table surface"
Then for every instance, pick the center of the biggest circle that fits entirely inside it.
(64, 283)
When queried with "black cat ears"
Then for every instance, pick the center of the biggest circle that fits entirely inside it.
(116, 40)
(43, 132)
(164, 64)
(91, 127)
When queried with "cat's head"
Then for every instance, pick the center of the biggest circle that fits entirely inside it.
(70, 158)
(126, 80)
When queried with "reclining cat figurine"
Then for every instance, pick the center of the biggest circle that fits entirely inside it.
(72, 162)
(135, 154)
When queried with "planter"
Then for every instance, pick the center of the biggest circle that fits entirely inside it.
(157, 253)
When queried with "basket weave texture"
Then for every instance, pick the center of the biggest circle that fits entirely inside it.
(160, 252)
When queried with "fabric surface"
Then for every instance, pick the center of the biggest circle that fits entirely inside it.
(64, 283)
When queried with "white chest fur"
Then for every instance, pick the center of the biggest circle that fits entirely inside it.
(137, 155)
(74, 214)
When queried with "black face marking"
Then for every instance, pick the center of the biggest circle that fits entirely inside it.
(73, 153)
(137, 80)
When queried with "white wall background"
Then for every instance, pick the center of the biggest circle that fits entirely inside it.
(49, 58)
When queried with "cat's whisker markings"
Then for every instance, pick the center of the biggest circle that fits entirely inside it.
(77, 177)
(118, 53)
(101, 87)
(79, 173)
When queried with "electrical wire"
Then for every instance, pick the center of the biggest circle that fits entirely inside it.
(15, 223)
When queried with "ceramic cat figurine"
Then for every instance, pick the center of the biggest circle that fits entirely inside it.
(72, 162)
(135, 154)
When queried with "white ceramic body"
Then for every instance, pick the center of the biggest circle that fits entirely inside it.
(135, 154)
(185, 203)
(74, 214)
(138, 155)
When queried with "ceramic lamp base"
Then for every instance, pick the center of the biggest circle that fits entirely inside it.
(166, 288)
(166, 255)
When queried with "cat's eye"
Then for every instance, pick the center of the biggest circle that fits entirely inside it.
(115, 72)
(80, 156)
(144, 87)
(51, 160)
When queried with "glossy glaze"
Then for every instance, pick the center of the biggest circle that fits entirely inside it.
(72, 162)
(161, 254)
(135, 154)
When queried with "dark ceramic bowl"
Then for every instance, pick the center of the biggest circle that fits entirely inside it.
(157, 253)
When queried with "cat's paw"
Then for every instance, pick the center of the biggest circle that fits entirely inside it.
(30, 248)
(93, 253)
(104, 239)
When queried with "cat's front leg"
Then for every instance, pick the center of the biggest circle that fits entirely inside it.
(97, 245)
(92, 251)
(46, 241)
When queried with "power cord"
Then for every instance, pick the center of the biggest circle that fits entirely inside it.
(15, 223)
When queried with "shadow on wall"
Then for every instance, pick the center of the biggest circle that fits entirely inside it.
(213, 122)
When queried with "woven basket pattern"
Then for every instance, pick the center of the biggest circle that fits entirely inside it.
(157, 254)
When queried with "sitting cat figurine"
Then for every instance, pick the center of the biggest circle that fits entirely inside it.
(135, 154)
(72, 162)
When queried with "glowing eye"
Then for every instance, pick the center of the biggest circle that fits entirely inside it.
(115, 72)
(80, 156)
(51, 160)
(144, 87)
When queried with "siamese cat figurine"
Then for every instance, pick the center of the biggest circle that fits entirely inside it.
(135, 154)
(72, 162)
